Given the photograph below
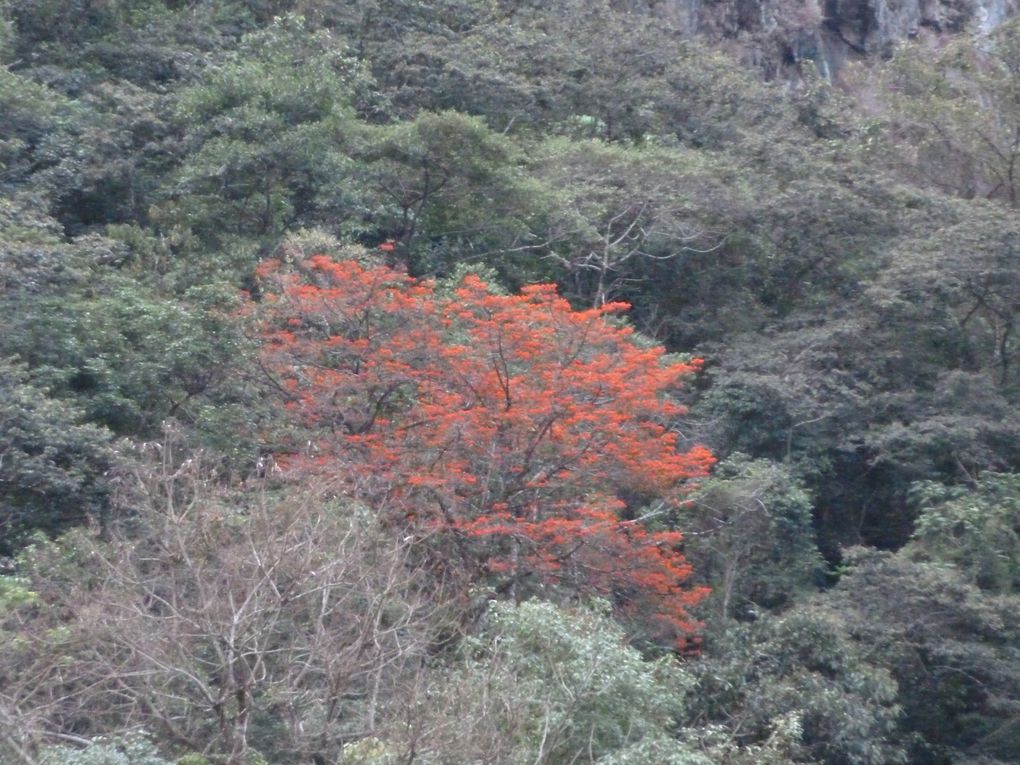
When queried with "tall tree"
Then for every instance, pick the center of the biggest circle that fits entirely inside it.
(530, 442)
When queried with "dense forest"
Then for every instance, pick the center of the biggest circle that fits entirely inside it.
(503, 381)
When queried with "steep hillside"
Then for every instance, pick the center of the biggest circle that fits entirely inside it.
(461, 381)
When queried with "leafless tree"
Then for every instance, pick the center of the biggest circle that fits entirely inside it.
(220, 620)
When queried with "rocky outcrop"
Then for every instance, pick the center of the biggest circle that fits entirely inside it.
(782, 36)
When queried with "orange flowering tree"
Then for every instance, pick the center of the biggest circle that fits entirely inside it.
(522, 440)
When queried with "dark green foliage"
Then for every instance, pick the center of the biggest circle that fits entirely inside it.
(974, 527)
(805, 666)
(616, 215)
(909, 378)
(446, 188)
(750, 537)
(951, 648)
(53, 465)
(265, 135)
(32, 112)
(848, 271)
(91, 330)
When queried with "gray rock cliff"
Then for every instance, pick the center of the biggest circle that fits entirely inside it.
(782, 36)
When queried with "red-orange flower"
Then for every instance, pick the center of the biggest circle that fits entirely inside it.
(506, 429)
